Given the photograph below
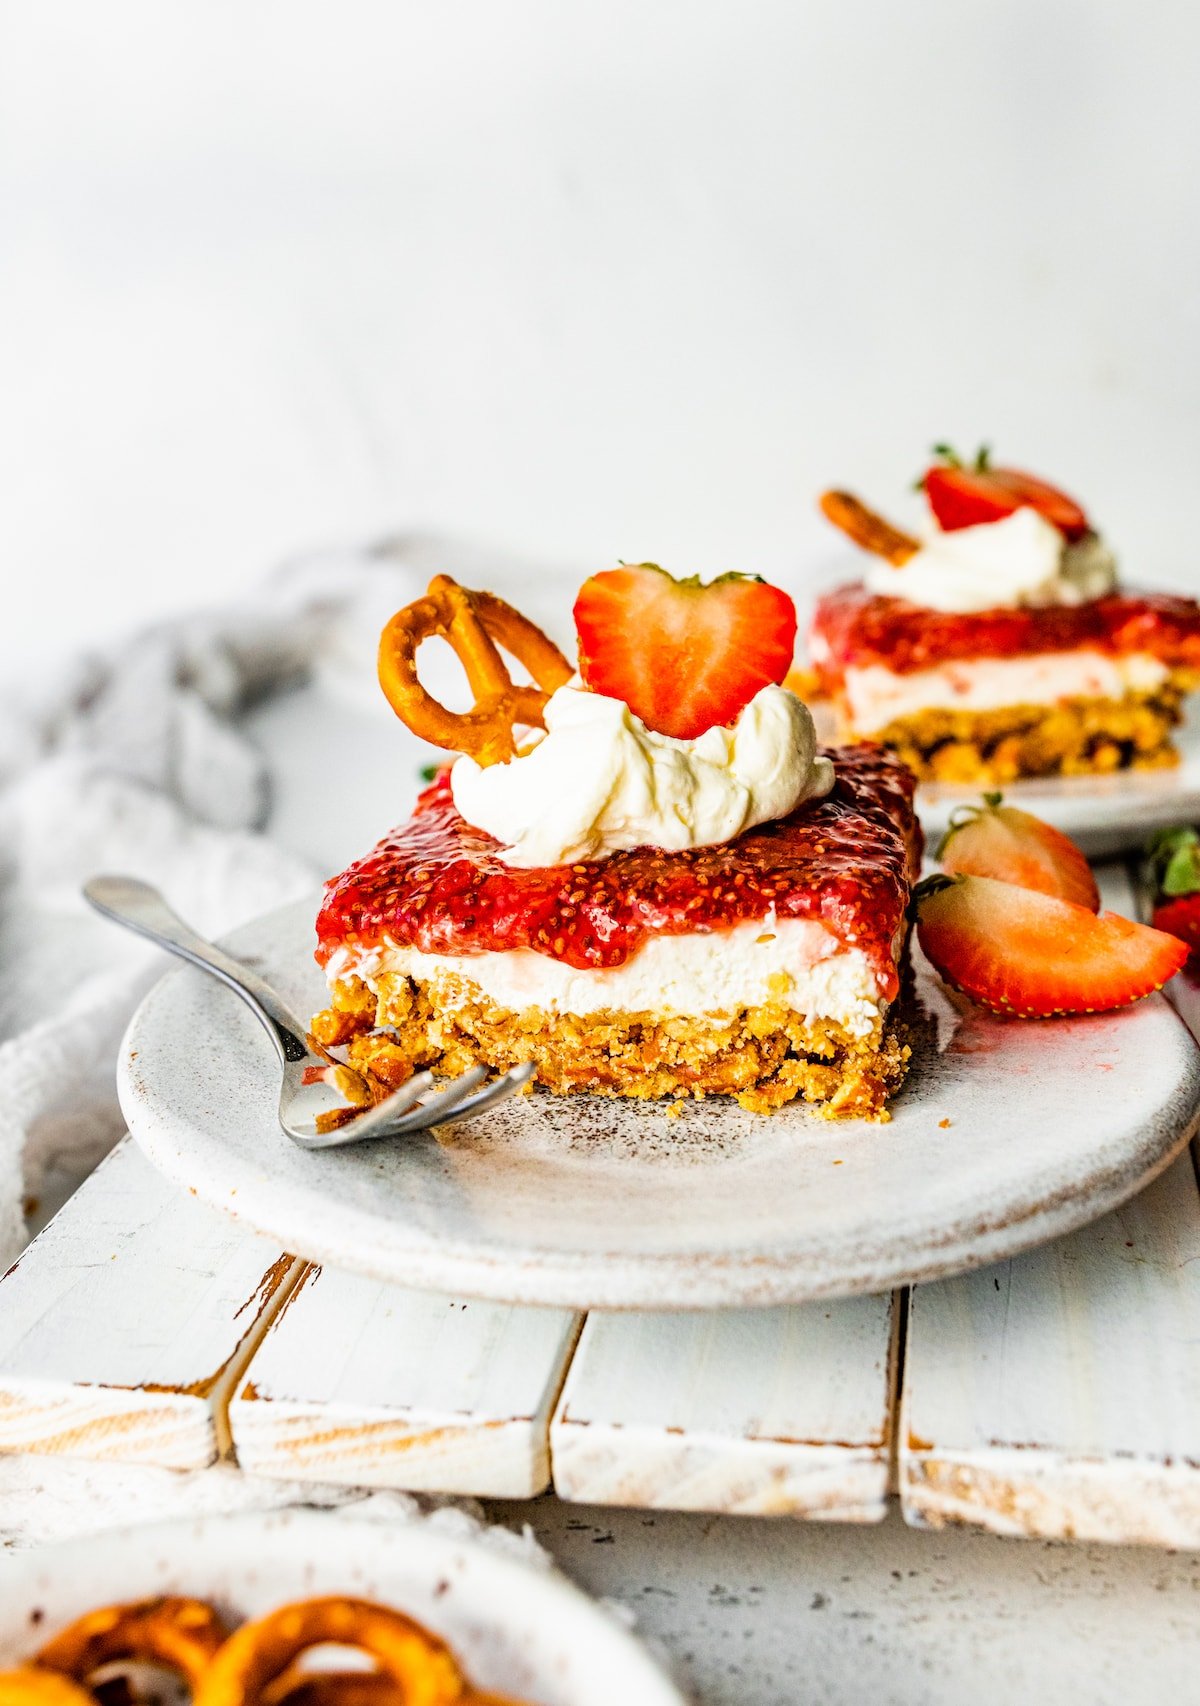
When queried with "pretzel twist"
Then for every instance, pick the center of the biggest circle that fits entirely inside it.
(333, 1688)
(181, 1635)
(357, 1688)
(420, 1665)
(867, 529)
(31, 1687)
(476, 625)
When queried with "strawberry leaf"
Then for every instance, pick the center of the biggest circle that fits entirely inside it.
(1182, 875)
(1175, 860)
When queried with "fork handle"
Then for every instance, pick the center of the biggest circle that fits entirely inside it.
(141, 908)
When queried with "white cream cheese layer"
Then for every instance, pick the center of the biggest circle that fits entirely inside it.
(795, 963)
(599, 780)
(1022, 560)
(876, 697)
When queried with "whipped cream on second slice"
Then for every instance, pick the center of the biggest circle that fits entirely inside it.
(599, 780)
(1021, 560)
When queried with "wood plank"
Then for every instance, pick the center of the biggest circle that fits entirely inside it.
(781, 1411)
(48, 1498)
(373, 1385)
(125, 1323)
(1058, 1395)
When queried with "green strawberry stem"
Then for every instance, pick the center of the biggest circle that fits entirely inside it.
(946, 454)
(963, 815)
(926, 887)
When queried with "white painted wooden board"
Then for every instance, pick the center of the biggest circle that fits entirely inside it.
(125, 1322)
(1058, 1394)
(372, 1385)
(783, 1412)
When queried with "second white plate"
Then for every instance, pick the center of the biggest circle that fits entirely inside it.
(1104, 814)
(1005, 1135)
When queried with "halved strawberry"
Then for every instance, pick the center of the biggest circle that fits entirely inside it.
(1180, 918)
(995, 840)
(962, 496)
(1175, 868)
(684, 657)
(1029, 956)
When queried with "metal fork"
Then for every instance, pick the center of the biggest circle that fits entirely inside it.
(141, 908)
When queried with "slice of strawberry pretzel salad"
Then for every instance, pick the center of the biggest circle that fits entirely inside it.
(658, 886)
(997, 644)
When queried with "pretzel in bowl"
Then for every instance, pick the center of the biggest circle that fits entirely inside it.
(333, 1688)
(175, 1634)
(420, 1666)
(476, 625)
(30, 1687)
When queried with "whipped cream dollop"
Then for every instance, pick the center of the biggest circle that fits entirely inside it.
(599, 780)
(1022, 560)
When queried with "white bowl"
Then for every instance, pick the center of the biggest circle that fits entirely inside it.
(515, 1627)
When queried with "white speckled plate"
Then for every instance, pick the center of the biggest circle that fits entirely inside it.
(1005, 1135)
(1104, 814)
(513, 1626)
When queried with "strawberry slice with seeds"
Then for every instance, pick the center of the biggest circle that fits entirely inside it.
(1180, 918)
(683, 656)
(1031, 956)
(968, 496)
(995, 840)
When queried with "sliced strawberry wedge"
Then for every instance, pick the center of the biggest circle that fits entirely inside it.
(684, 657)
(962, 496)
(995, 840)
(1029, 956)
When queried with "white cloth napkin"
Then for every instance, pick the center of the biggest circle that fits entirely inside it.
(131, 760)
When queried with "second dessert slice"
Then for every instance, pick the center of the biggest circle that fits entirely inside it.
(998, 644)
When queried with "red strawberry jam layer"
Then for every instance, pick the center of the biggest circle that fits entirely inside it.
(438, 885)
(853, 628)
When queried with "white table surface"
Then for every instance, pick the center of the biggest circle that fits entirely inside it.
(766, 1611)
(758, 1612)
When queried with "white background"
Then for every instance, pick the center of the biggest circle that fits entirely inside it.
(585, 281)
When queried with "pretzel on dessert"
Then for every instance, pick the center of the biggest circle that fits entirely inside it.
(476, 624)
(421, 1666)
(867, 529)
(181, 1635)
(31, 1687)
